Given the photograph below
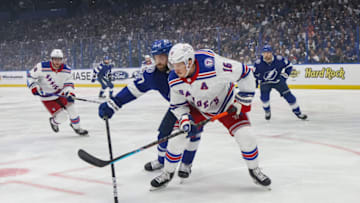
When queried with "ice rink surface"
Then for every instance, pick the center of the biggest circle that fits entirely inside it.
(308, 161)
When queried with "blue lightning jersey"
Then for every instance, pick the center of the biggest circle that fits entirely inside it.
(150, 79)
(102, 71)
(268, 73)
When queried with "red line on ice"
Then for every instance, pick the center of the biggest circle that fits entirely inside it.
(44, 187)
(61, 174)
(315, 142)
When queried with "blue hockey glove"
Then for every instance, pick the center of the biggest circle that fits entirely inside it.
(107, 109)
(185, 123)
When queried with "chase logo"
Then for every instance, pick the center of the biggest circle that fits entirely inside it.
(270, 75)
(120, 75)
(209, 62)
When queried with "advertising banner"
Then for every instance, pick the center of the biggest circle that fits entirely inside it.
(307, 76)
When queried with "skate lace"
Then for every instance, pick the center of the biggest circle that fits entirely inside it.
(259, 174)
(155, 164)
(163, 177)
(185, 168)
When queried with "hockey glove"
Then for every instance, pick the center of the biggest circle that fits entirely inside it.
(107, 109)
(185, 123)
(242, 102)
(110, 78)
(68, 92)
(36, 89)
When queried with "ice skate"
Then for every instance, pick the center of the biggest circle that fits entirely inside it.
(153, 165)
(161, 181)
(184, 170)
(79, 131)
(302, 116)
(260, 178)
(267, 115)
(54, 126)
(101, 95)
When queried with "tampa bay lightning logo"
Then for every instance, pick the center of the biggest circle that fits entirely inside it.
(270, 75)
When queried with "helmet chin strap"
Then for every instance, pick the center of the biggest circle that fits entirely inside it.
(187, 71)
(188, 67)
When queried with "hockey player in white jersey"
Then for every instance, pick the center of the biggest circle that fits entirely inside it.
(202, 84)
(52, 82)
(147, 63)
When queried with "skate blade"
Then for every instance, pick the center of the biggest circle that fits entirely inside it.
(263, 186)
(158, 188)
(152, 189)
(183, 180)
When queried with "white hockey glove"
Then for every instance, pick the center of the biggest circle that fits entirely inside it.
(242, 102)
(185, 123)
(36, 89)
(68, 92)
(238, 107)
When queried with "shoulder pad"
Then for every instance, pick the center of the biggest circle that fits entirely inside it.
(206, 52)
(37, 67)
(67, 67)
(279, 58)
(45, 64)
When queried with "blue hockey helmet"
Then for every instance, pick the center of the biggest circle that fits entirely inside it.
(267, 48)
(161, 47)
(107, 59)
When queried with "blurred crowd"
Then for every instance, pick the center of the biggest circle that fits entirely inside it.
(304, 31)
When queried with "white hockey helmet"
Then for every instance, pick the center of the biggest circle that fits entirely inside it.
(56, 53)
(182, 52)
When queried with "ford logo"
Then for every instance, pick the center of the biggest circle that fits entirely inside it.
(120, 75)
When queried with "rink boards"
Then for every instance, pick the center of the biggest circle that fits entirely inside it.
(306, 76)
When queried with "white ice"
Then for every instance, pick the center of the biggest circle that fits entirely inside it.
(308, 161)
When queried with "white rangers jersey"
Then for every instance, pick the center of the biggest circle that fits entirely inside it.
(52, 81)
(211, 89)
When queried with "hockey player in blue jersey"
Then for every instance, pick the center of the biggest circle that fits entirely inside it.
(154, 78)
(103, 75)
(271, 71)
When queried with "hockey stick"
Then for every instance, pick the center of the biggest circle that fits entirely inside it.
(112, 165)
(101, 163)
(88, 100)
(76, 98)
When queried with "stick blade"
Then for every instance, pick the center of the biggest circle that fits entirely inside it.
(91, 159)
